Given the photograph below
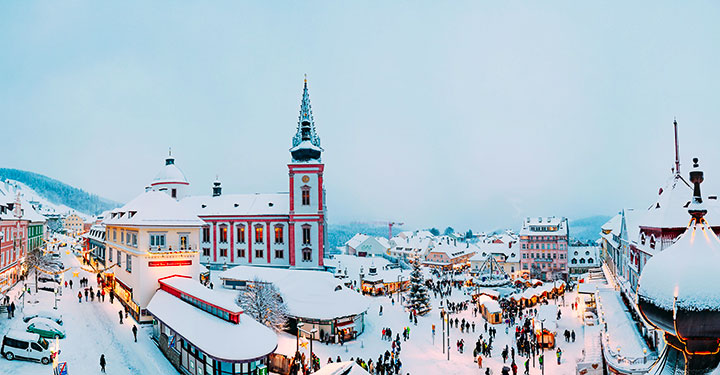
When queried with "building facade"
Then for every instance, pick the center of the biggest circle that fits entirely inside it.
(278, 230)
(149, 238)
(73, 224)
(544, 247)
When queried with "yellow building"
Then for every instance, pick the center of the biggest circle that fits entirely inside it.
(149, 238)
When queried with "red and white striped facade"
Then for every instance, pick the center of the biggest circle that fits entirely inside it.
(13, 245)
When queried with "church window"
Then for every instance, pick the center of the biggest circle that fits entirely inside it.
(305, 195)
(223, 233)
(241, 233)
(307, 254)
(279, 234)
(306, 234)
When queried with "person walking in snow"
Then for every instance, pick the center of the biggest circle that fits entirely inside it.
(102, 363)
(79, 297)
(134, 330)
(558, 353)
(120, 314)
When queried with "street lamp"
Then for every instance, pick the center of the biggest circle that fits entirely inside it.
(297, 341)
(442, 317)
(311, 333)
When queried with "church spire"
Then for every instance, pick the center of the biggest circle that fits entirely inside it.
(306, 143)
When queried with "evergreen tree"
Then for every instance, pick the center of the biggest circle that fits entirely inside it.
(419, 299)
(449, 231)
(469, 234)
(434, 231)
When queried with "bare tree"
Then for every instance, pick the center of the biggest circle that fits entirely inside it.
(264, 302)
(35, 259)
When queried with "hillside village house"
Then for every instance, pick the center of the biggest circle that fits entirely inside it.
(450, 253)
(363, 245)
(149, 238)
(409, 247)
(73, 224)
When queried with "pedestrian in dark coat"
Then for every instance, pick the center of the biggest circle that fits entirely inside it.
(120, 314)
(102, 363)
(134, 330)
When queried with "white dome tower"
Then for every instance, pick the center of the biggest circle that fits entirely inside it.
(171, 180)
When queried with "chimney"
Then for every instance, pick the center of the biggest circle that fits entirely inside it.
(217, 188)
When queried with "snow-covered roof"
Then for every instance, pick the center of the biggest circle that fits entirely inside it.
(490, 304)
(216, 337)
(342, 368)
(454, 248)
(510, 250)
(170, 173)
(307, 294)
(384, 242)
(193, 287)
(585, 253)
(544, 226)
(685, 270)
(153, 208)
(356, 240)
(238, 204)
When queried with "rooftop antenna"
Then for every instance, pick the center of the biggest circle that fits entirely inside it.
(677, 149)
(169, 151)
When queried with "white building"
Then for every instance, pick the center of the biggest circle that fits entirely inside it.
(287, 229)
(149, 238)
(363, 245)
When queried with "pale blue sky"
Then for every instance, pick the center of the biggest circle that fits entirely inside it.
(471, 114)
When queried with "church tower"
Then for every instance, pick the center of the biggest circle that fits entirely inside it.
(308, 225)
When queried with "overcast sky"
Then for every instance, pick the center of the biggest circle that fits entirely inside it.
(471, 114)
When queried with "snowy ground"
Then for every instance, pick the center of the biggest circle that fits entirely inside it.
(420, 355)
(92, 329)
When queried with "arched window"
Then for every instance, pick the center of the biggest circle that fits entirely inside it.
(306, 239)
(279, 234)
(582, 260)
(307, 254)
(223, 233)
(240, 234)
(573, 261)
(305, 195)
(259, 233)
(590, 260)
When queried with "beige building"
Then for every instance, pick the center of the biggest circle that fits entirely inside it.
(73, 224)
(149, 238)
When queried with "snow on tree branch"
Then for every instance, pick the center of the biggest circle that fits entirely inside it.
(263, 301)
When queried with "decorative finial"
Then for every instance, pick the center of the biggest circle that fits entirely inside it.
(697, 209)
(305, 78)
(169, 151)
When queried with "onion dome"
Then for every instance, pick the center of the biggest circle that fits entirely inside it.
(678, 293)
(306, 143)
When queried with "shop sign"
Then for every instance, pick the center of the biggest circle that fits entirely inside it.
(169, 263)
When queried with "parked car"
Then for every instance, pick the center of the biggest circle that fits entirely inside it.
(46, 328)
(47, 314)
(25, 345)
(48, 279)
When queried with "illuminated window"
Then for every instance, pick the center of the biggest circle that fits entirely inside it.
(223, 233)
(307, 254)
(306, 234)
(241, 233)
(259, 233)
(306, 195)
(279, 234)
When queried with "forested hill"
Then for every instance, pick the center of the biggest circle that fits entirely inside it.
(58, 192)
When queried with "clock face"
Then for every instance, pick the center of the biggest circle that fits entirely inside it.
(306, 179)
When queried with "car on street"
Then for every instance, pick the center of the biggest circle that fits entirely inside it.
(47, 314)
(25, 345)
(45, 328)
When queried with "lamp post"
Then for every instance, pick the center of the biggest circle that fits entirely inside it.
(448, 336)
(442, 317)
(310, 333)
(297, 341)
(542, 345)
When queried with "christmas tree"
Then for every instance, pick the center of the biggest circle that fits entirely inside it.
(419, 299)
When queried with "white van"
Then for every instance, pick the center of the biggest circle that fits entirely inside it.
(25, 345)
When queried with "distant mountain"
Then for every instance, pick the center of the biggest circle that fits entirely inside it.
(59, 193)
(588, 228)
